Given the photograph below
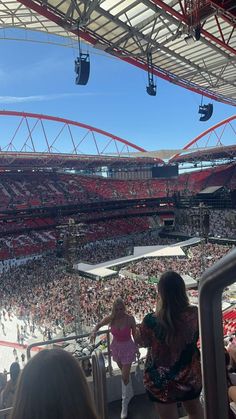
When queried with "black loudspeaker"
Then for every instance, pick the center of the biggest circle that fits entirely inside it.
(82, 69)
(206, 111)
(151, 90)
(197, 32)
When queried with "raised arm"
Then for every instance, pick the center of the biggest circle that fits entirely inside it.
(103, 322)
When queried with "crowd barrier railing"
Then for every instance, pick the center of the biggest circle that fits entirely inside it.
(52, 342)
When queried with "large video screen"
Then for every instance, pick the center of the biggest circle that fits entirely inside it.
(165, 171)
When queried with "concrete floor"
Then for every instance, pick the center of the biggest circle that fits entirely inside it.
(140, 407)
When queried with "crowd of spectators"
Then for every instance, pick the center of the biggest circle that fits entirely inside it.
(198, 258)
(24, 244)
(43, 292)
(38, 189)
(8, 225)
(103, 250)
(40, 241)
(222, 223)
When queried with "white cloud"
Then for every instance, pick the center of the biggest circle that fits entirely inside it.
(39, 98)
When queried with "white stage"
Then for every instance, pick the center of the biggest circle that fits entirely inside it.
(104, 270)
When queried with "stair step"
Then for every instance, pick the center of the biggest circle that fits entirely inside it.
(138, 408)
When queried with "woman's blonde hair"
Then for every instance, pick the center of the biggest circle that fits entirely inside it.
(117, 301)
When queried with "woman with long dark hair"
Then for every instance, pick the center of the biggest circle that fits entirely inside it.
(52, 386)
(172, 370)
(123, 347)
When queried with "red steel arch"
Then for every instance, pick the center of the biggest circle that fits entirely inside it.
(212, 130)
(121, 146)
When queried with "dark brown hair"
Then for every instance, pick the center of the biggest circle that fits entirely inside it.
(53, 386)
(173, 301)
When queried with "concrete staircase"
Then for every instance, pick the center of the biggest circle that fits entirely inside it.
(140, 407)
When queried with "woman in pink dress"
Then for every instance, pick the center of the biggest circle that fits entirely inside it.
(124, 350)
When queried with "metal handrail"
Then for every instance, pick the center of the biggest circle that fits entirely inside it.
(5, 412)
(99, 384)
(75, 337)
(212, 284)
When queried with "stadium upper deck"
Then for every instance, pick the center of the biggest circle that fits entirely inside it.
(22, 190)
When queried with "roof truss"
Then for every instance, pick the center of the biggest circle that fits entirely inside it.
(129, 29)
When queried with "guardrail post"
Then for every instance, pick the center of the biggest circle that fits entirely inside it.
(213, 281)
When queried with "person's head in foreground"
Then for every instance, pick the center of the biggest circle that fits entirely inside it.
(53, 386)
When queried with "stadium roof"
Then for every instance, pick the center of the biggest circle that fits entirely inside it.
(130, 29)
(192, 155)
(36, 160)
(208, 154)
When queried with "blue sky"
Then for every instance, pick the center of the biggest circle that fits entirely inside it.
(40, 78)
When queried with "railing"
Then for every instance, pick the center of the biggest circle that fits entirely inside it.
(75, 337)
(5, 412)
(213, 281)
(99, 384)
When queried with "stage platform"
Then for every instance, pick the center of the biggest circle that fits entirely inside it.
(104, 270)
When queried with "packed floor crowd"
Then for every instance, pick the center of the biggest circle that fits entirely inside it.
(198, 259)
(43, 293)
(103, 250)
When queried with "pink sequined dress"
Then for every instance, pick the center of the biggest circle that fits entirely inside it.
(123, 347)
